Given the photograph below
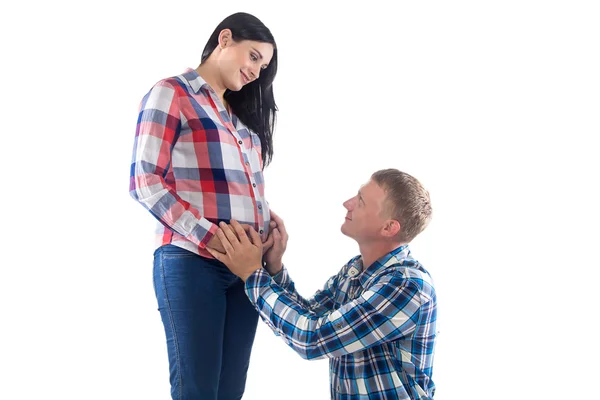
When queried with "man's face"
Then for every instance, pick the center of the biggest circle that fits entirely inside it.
(364, 222)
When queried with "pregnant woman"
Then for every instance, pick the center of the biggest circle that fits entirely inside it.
(203, 138)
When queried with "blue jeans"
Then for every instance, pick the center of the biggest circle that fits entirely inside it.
(209, 325)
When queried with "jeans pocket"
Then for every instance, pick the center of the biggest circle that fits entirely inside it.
(172, 251)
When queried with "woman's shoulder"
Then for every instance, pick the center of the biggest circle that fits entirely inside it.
(170, 82)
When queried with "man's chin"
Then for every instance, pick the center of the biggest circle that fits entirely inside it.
(344, 229)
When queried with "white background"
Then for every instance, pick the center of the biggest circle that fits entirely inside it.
(492, 105)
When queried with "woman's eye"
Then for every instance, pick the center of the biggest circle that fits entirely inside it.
(253, 57)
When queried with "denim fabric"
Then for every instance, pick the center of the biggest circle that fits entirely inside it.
(209, 325)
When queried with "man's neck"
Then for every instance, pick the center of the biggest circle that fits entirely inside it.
(371, 252)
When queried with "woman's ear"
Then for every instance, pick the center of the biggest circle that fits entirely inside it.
(225, 38)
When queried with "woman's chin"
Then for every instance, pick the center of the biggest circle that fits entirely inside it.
(235, 87)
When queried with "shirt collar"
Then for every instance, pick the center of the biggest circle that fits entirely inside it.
(194, 80)
(398, 256)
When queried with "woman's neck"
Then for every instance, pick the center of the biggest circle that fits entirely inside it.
(209, 73)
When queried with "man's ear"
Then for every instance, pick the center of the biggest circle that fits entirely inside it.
(391, 228)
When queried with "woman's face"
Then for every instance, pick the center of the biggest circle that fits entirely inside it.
(242, 62)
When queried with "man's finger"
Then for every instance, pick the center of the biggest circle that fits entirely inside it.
(255, 238)
(229, 233)
(278, 239)
(274, 215)
(246, 227)
(215, 254)
(277, 219)
(269, 242)
(281, 228)
(241, 233)
(226, 236)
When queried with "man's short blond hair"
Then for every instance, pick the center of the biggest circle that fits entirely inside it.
(406, 201)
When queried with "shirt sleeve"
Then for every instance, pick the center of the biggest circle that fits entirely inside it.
(322, 301)
(159, 123)
(387, 311)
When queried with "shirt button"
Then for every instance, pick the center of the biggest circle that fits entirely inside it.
(259, 207)
(261, 231)
(239, 141)
(247, 163)
(254, 184)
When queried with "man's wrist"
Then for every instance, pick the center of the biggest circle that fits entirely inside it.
(246, 276)
(274, 268)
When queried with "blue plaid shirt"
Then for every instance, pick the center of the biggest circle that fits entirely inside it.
(377, 326)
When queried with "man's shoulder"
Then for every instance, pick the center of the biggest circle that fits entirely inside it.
(409, 273)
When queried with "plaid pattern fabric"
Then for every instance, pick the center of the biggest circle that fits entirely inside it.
(194, 165)
(377, 326)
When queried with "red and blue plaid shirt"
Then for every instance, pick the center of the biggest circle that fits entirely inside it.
(377, 325)
(195, 165)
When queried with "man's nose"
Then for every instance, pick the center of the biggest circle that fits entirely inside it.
(349, 204)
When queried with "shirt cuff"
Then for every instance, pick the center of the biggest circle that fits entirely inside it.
(258, 282)
(282, 278)
(259, 285)
(207, 236)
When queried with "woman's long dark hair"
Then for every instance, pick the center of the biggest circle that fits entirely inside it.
(254, 104)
